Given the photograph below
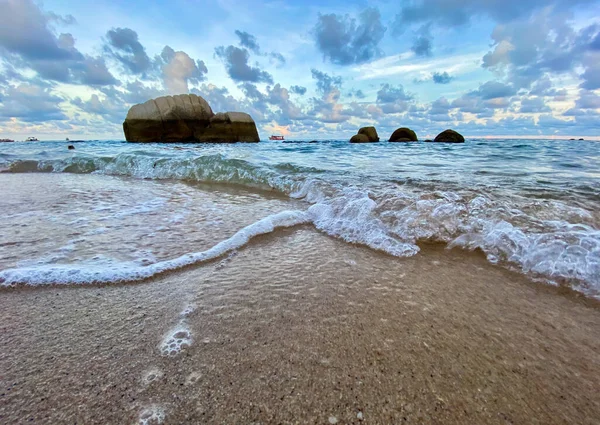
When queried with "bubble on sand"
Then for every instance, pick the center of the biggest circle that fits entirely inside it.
(192, 378)
(333, 420)
(360, 416)
(176, 340)
(151, 375)
(152, 415)
(189, 309)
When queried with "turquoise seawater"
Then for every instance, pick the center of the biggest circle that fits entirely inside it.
(530, 205)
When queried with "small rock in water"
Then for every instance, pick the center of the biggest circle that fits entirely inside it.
(70, 147)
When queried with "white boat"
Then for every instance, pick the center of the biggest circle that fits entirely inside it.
(32, 139)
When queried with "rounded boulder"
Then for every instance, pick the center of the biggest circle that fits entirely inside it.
(449, 136)
(359, 138)
(370, 132)
(404, 134)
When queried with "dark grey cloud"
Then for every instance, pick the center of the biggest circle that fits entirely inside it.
(533, 104)
(441, 78)
(30, 103)
(359, 94)
(525, 51)
(493, 90)
(298, 90)
(389, 94)
(422, 43)
(280, 97)
(489, 97)
(27, 40)
(123, 44)
(393, 99)
(325, 82)
(453, 13)
(344, 41)
(25, 31)
(248, 41)
(236, 63)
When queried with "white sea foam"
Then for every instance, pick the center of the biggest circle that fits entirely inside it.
(108, 271)
(544, 238)
(176, 339)
(152, 415)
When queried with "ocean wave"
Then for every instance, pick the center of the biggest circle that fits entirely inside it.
(542, 236)
(107, 271)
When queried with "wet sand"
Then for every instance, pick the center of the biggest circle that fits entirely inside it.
(301, 328)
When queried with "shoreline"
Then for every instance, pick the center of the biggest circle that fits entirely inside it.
(299, 327)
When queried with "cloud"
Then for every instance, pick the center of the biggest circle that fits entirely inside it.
(441, 78)
(546, 43)
(452, 13)
(298, 90)
(390, 94)
(108, 108)
(236, 63)
(493, 90)
(30, 103)
(277, 59)
(123, 45)
(327, 108)
(343, 42)
(280, 97)
(28, 41)
(533, 104)
(393, 99)
(325, 82)
(25, 31)
(422, 43)
(178, 69)
(359, 94)
(248, 41)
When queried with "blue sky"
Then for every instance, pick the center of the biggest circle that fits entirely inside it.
(305, 69)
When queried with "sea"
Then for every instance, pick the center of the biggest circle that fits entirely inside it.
(116, 212)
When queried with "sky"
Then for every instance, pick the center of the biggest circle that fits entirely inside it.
(305, 69)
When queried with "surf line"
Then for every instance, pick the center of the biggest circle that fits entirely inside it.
(68, 274)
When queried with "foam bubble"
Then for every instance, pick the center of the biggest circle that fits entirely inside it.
(176, 340)
(152, 415)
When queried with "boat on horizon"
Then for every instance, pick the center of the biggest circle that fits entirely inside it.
(276, 138)
(6, 140)
(32, 139)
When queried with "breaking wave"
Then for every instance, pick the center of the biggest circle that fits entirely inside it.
(554, 239)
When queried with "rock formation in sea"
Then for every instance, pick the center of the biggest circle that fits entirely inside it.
(359, 138)
(403, 134)
(370, 132)
(449, 136)
(365, 135)
(186, 118)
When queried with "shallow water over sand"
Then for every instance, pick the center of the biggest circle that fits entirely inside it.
(214, 285)
(298, 327)
(528, 205)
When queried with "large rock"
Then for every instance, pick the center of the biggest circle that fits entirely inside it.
(403, 134)
(449, 136)
(370, 132)
(359, 138)
(229, 127)
(186, 118)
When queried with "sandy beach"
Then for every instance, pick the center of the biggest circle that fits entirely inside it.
(298, 327)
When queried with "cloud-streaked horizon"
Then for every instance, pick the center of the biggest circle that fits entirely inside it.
(318, 70)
